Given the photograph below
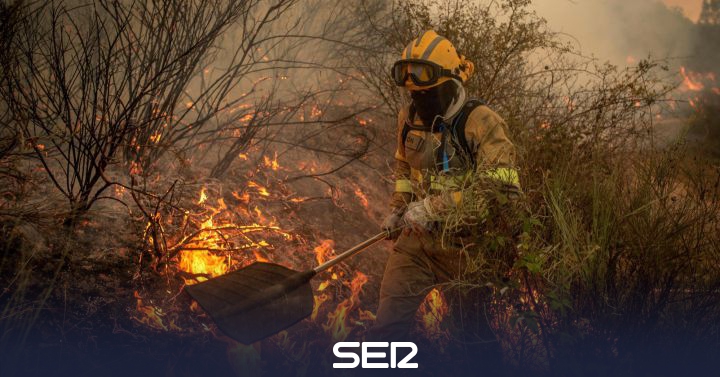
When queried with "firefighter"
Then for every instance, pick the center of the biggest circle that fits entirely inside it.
(442, 136)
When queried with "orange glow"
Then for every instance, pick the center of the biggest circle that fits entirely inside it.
(324, 251)
(271, 163)
(135, 168)
(363, 199)
(245, 197)
(223, 230)
(239, 107)
(433, 311)
(366, 315)
(260, 189)
(203, 196)
(690, 81)
(337, 323)
(259, 257)
(318, 301)
(204, 262)
(150, 315)
(315, 112)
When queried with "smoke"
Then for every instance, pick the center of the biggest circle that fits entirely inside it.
(622, 32)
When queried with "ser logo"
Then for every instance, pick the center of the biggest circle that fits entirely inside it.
(367, 354)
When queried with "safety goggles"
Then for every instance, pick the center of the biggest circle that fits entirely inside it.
(421, 72)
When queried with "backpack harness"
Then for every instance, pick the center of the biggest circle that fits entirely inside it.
(456, 131)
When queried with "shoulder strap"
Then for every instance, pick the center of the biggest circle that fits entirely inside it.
(408, 123)
(458, 129)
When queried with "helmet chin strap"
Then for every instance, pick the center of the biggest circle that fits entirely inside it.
(456, 104)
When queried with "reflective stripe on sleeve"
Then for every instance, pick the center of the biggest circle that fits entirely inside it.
(505, 175)
(445, 182)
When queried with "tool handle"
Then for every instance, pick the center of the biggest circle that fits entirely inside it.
(352, 251)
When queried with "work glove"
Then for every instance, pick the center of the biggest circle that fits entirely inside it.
(419, 216)
(393, 224)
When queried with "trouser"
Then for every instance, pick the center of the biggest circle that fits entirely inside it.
(417, 263)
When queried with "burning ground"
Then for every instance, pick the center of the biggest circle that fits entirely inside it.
(118, 273)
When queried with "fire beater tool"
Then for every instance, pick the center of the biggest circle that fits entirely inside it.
(262, 299)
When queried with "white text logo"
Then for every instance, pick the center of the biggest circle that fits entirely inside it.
(366, 354)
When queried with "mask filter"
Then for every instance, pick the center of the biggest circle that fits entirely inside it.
(433, 102)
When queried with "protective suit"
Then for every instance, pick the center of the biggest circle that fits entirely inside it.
(430, 165)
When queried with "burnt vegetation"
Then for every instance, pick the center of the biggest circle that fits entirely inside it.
(150, 144)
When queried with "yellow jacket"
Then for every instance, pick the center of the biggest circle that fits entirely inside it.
(417, 174)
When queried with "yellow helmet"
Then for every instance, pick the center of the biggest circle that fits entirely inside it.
(428, 61)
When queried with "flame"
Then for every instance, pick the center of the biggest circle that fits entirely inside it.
(245, 197)
(151, 315)
(363, 199)
(214, 238)
(318, 301)
(690, 82)
(260, 189)
(324, 251)
(203, 196)
(135, 168)
(272, 164)
(433, 310)
(197, 257)
(202, 262)
(264, 220)
(366, 315)
(315, 112)
(259, 257)
(207, 252)
(336, 324)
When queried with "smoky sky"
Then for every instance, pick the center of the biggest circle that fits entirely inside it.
(624, 31)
